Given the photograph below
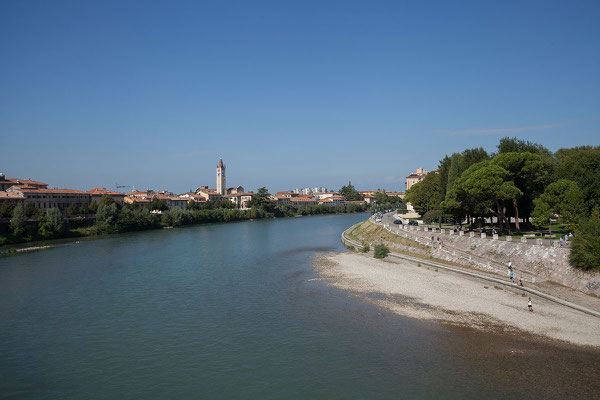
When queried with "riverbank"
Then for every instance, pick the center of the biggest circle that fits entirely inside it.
(125, 220)
(426, 293)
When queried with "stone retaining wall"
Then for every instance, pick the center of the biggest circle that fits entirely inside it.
(531, 262)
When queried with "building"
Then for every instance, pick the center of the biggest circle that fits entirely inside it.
(333, 201)
(415, 177)
(313, 190)
(6, 183)
(369, 199)
(221, 178)
(173, 201)
(11, 198)
(240, 199)
(303, 200)
(43, 198)
(97, 193)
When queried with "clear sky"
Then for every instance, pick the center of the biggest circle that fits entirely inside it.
(288, 93)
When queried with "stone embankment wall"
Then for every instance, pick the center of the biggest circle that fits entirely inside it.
(531, 262)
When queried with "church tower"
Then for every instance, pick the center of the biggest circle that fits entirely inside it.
(221, 188)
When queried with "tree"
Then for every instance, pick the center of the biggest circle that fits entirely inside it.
(73, 209)
(581, 165)
(17, 222)
(193, 205)
(106, 218)
(6, 209)
(451, 168)
(526, 171)
(93, 208)
(585, 247)
(515, 145)
(425, 195)
(487, 183)
(52, 223)
(350, 193)
(381, 197)
(106, 200)
(30, 210)
(261, 199)
(158, 204)
(562, 197)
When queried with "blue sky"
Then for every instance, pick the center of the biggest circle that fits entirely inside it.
(288, 93)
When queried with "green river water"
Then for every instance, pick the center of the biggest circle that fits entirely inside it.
(232, 311)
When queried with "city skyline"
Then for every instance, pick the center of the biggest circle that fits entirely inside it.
(292, 95)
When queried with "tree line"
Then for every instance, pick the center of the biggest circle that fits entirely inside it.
(523, 185)
(112, 217)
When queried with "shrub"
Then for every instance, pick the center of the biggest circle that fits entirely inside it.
(381, 251)
(585, 250)
(52, 223)
(350, 247)
(366, 248)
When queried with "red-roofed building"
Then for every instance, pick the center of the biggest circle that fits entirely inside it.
(52, 198)
(6, 183)
(303, 201)
(333, 201)
(11, 198)
(240, 199)
(97, 193)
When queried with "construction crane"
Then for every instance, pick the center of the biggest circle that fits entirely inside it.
(121, 186)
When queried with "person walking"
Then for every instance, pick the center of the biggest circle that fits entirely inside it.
(511, 275)
(529, 305)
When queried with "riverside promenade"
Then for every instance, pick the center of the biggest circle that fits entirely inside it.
(494, 273)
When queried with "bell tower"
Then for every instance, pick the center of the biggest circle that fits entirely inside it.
(221, 187)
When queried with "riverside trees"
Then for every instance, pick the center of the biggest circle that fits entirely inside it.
(522, 182)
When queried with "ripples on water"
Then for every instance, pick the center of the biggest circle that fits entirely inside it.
(233, 311)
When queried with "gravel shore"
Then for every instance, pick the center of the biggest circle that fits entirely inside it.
(425, 293)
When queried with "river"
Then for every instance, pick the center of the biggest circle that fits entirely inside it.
(233, 311)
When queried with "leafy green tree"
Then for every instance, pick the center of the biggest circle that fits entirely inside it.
(425, 195)
(562, 197)
(17, 222)
(174, 217)
(526, 171)
(515, 145)
(487, 183)
(73, 209)
(158, 204)
(30, 210)
(261, 199)
(106, 200)
(107, 217)
(581, 165)
(193, 205)
(350, 193)
(6, 209)
(585, 247)
(451, 168)
(52, 223)
(93, 208)
(381, 198)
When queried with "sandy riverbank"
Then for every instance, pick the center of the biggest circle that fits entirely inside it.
(424, 293)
